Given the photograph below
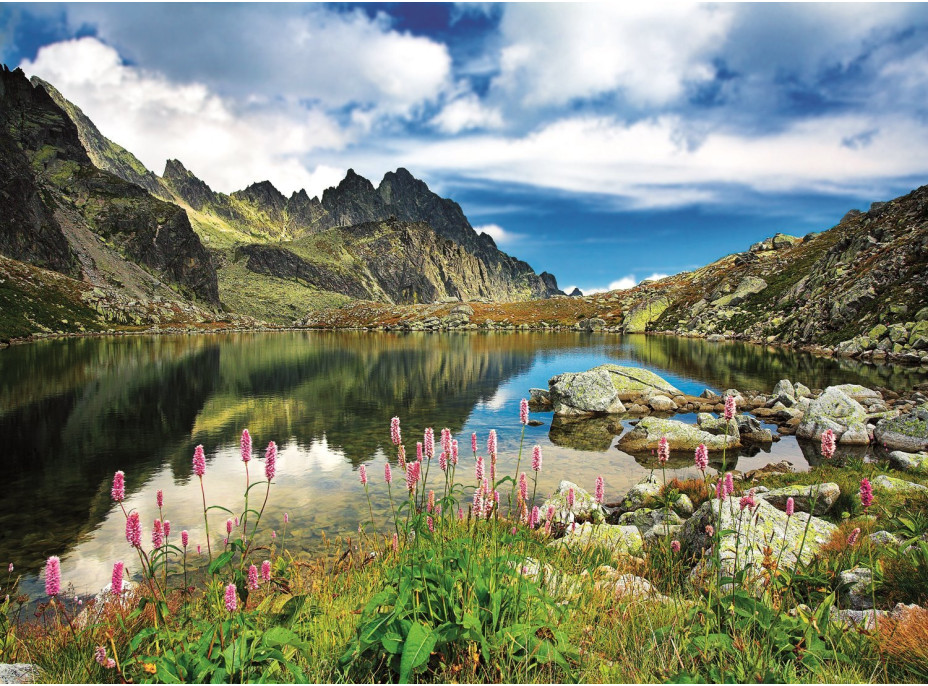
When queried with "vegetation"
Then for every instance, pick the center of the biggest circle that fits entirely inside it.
(455, 591)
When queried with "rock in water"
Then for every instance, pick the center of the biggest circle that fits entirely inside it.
(835, 410)
(587, 392)
(681, 436)
(763, 526)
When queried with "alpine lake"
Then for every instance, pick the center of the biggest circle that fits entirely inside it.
(73, 411)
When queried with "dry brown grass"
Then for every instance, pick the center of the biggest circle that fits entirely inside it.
(904, 641)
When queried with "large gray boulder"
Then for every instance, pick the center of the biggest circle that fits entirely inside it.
(908, 462)
(835, 410)
(681, 436)
(620, 540)
(825, 495)
(633, 383)
(892, 484)
(18, 673)
(760, 527)
(908, 432)
(580, 393)
(642, 494)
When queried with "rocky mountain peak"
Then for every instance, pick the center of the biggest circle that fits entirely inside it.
(264, 195)
(186, 185)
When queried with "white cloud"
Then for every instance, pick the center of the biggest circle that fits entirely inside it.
(499, 235)
(622, 284)
(467, 113)
(554, 53)
(157, 119)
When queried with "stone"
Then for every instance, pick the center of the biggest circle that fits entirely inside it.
(708, 393)
(592, 324)
(661, 403)
(803, 496)
(627, 585)
(861, 394)
(587, 392)
(682, 505)
(640, 495)
(539, 399)
(892, 484)
(906, 432)
(885, 538)
(717, 425)
(585, 506)
(855, 591)
(837, 411)
(553, 581)
(18, 673)
(635, 383)
(462, 309)
(909, 462)
(681, 436)
(748, 286)
(784, 388)
(620, 540)
(765, 525)
(646, 518)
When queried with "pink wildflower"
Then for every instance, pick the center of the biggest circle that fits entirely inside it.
(199, 549)
(600, 492)
(253, 578)
(491, 442)
(273, 535)
(134, 530)
(419, 451)
(119, 487)
(790, 507)
(159, 498)
(866, 493)
(729, 406)
(401, 457)
(523, 486)
(479, 469)
(446, 440)
(460, 514)
(99, 654)
(11, 568)
(429, 443)
(231, 597)
(286, 517)
(523, 412)
(387, 473)
(270, 461)
(828, 444)
(395, 431)
(266, 571)
(702, 457)
(199, 461)
(229, 526)
(184, 538)
(116, 585)
(747, 500)
(852, 537)
(710, 530)
(362, 473)
(663, 450)
(246, 445)
(412, 475)
(53, 576)
(729, 483)
(675, 546)
(157, 534)
(454, 452)
(396, 543)
(473, 442)
(478, 502)
(536, 458)
(110, 663)
(167, 529)
(431, 500)
(720, 489)
(443, 461)
(431, 524)
(534, 518)
(570, 499)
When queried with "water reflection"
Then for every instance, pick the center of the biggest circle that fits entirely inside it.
(74, 411)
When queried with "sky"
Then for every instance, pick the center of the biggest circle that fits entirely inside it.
(605, 144)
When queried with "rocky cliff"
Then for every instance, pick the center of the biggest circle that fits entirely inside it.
(58, 210)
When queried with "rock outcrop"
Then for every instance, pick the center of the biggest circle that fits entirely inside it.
(646, 436)
(835, 410)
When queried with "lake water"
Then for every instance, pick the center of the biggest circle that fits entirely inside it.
(74, 411)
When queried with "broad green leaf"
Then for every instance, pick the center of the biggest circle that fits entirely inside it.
(416, 650)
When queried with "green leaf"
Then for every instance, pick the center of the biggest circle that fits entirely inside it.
(220, 562)
(281, 636)
(416, 651)
(220, 507)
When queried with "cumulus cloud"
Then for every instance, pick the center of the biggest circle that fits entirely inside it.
(156, 119)
(466, 113)
(499, 235)
(626, 282)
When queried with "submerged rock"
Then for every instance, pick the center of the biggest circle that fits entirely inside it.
(681, 436)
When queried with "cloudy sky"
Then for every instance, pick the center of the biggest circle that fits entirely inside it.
(602, 143)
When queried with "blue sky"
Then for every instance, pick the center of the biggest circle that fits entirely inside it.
(603, 144)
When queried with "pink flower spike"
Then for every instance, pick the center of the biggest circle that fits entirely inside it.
(729, 484)
(729, 406)
(229, 526)
(273, 535)
(534, 518)
(396, 543)
(270, 461)
(460, 514)
(419, 452)
(387, 473)
(431, 500)
(395, 431)
(159, 498)
(362, 473)
(236, 522)
(253, 578)
(866, 493)
(286, 517)
(446, 440)
(747, 500)
(199, 461)
(99, 654)
(184, 538)
(110, 663)
(266, 571)
(663, 450)
(53, 576)
(473, 442)
(852, 537)
(550, 516)
(790, 507)
(246, 445)
(11, 568)
(443, 461)
(454, 452)
(523, 487)
(119, 487)
(675, 546)
(116, 581)
(479, 469)
(401, 457)
(231, 597)
(828, 444)
(710, 530)
(536, 458)
(702, 457)
(431, 524)
(720, 489)
(600, 492)
(157, 534)
(199, 549)
(523, 412)
(167, 529)
(134, 530)
(570, 499)
(412, 475)
(491, 442)
(428, 443)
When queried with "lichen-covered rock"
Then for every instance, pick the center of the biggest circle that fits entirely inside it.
(891, 483)
(855, 592)
(717, 425)
(627, 586)
(827, 495)
(585, 505)
(748, 286)
(641, 494)
(589, 392)
(18, 673)
(886, 538)
(539, 399)
(861, 394)
(620, 540)
(633, 383)
(636, 320)
(554, 582)
(908, 432)
(646, 518)
(681, 436)
(760, 527)
(837, 411)
(908, 462)
(661, 403)
(784, 389)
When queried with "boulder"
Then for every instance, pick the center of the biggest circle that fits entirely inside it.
(803, 496)
(764, 525)
(646, 518)
(627, 586)
(589, 392)
(749, 286)
(634, 383)
(784, 389)
(681, 436)
(18, 673)
(620, 540)
(909, 462)
(539, 399)
(661, 403)
(861, 394)
(885, 538)
(717, 425)
(640, 495)
(592, 324)
(837, 411)
(585, 506)
(908, 432)
(892, 484)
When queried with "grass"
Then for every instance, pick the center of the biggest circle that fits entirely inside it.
(456, 598)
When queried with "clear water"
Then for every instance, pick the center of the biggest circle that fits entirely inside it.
(74, 411)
